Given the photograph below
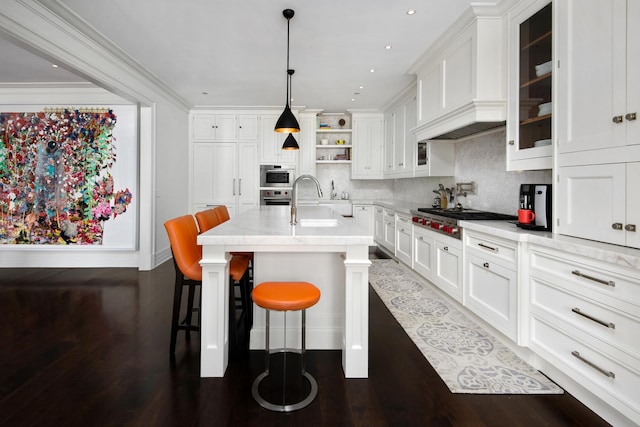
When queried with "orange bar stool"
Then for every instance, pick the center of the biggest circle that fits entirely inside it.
(285, 296)
(187, 254)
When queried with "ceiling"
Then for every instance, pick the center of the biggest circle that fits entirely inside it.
(232, 53)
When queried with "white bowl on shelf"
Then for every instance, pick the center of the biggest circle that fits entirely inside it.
(542, 143)
(544, 68)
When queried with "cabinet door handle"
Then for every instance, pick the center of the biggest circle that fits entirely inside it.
(485, 265)
(630, 116)
(233, 187)
(482, 245)
(421, 238)
(512, 142)
(610, 325)
(616, 226)
(604, 372)
(595, 279)
(630, 227)
(617, 119)
(446, 248)
(240, 187)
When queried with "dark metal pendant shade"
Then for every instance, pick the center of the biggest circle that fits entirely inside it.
(290, 143)
(287, 121)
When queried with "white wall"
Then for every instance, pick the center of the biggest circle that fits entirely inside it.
(171, 172)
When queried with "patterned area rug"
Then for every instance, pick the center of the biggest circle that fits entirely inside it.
(467, 358)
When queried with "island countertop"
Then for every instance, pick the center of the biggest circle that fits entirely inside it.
(324, 248)
(268, 225)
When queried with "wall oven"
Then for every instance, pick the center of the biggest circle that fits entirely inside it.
(276, 176)
(275, 197)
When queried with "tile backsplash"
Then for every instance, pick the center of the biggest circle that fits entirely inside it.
(480, 159)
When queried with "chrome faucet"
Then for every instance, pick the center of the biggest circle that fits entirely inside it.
(294, 195)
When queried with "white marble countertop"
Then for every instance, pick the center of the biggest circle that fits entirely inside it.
(618, 255)
(269, 225)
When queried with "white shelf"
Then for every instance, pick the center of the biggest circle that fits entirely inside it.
(333, 130)
(334, 146)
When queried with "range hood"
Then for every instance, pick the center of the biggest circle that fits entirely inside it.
(462, 78)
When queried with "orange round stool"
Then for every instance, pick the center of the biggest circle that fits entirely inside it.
(285, 296)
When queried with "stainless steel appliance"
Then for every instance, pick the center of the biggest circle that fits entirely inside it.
(447, 221)
(537, 198)
(275, 197)
(277, 176)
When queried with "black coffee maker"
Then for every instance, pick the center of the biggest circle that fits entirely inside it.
(537, 198)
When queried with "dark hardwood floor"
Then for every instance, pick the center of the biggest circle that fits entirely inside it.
(89, 347)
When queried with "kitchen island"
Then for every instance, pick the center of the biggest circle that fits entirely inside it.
(323, 248)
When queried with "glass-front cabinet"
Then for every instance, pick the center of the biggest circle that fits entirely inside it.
(530, 99)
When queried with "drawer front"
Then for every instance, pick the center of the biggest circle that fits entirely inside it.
(595, 368)
(591, 316)
(498, 249)
(491, 292)
(587, 278)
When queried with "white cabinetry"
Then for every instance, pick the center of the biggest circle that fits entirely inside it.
(389, 230)
(307, 141)
(363, 216)
(598, 79)
(491, 280)
(461, 80)
(404, 238)
(367, 145)
(378, 224)
(601, 202)
(399, 140)
(434, 158)
(423, 252)
(584, 321)
(225, 127)
(529, 124)
(225, 173)
(448, 265)
(271, 151)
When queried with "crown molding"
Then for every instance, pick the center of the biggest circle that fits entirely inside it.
(53, 31)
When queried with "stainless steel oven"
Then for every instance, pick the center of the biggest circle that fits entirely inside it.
(276, 176)
(275, 197)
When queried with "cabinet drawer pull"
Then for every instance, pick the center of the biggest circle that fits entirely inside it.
(604, 372)
(482, 245)
(512, 142)
(617, 119)
(595, 319)
(616, 226)
(485, 265)
(630, 227)
(595, 279)
(421, 238)
(446, 248)
(630, 116)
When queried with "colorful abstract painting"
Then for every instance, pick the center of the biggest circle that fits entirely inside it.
(56, 185)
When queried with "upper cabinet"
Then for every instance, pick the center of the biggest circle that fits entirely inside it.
(461, 80)
(225, 127)
(399, 139)
(367, 145)
(530, 89)
(271, 151)
(598, 80)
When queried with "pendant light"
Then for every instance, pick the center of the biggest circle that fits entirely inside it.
(287, 121)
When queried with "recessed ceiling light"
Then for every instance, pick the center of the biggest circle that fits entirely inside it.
(388, 47)
(373, 70)
(353, 99)
(411, 12)
(361, 87)
(54, 65)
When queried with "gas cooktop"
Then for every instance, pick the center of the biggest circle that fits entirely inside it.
(468, 214)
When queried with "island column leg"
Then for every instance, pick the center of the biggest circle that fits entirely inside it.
(214, 312)
(355, 347)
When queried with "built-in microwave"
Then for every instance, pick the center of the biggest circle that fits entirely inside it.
(276, 176)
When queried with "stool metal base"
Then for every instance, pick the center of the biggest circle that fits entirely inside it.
(284, 408)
